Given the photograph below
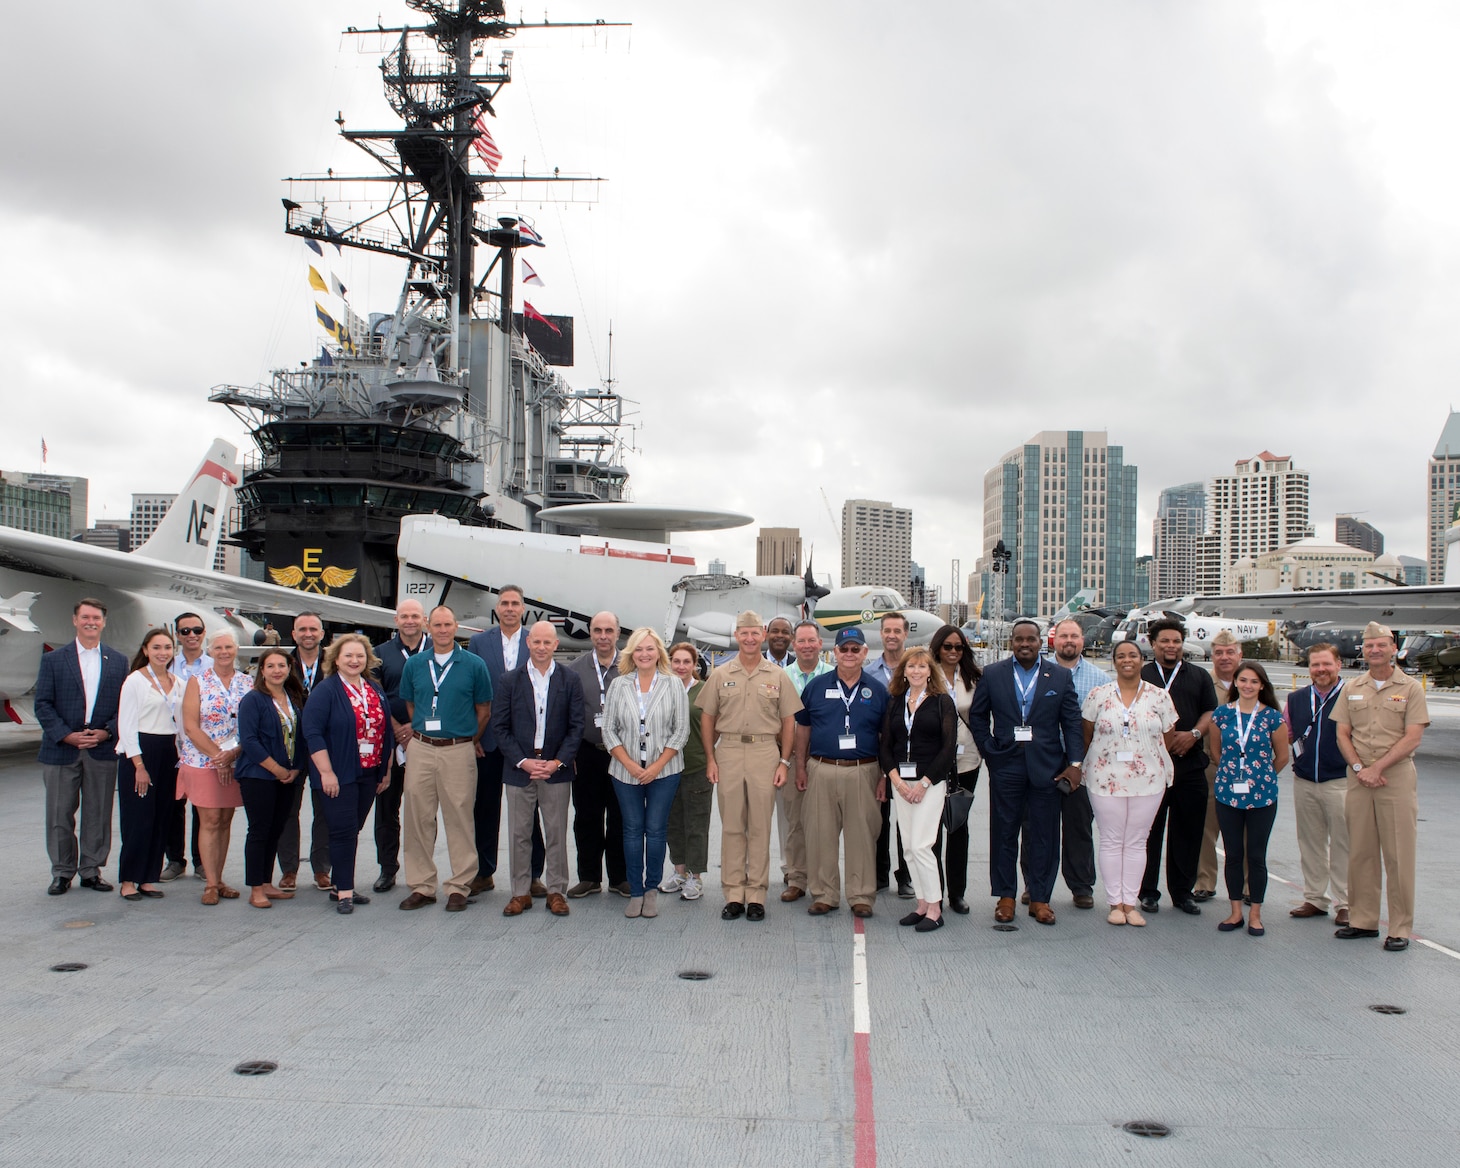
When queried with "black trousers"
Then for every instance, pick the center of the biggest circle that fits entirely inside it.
(1183, 815)
(952, 852)
(177, 835)
(319, 832)
(345, 816)
(146, 819)
(884, 849)
(487, 818)
(1020, 809)
(1077, 843)
(1255, 824)
(267, 803)
(598, 824)
(387, 821)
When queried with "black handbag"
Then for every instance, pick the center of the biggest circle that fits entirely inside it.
(956, 806)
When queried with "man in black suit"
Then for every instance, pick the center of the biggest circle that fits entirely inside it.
(537, 718)
(1025, 718)
(410, 638)
(76, 697)
(306, 662)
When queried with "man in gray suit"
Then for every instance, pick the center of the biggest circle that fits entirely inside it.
(76, 697)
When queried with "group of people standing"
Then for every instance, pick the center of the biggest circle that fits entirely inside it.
(636, 747)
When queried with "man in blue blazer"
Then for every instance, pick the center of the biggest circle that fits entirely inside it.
(1025, 718)
(76, 697)
(503, 648)
(537, 718)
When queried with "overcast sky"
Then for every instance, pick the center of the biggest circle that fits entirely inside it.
(865, 249)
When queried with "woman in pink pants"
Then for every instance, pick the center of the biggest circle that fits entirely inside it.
(1127, 768)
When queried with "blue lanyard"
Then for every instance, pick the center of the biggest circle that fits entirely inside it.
(1026, 693)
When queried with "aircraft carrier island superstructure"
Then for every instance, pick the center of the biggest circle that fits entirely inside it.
(452, 403)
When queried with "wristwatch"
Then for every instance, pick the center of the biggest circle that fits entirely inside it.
(1358, 766)
(927, 783)
(785, 762)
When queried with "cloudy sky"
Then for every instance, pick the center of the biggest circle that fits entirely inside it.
(852, 248)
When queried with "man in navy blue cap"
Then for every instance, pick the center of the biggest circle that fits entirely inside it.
(837, 733)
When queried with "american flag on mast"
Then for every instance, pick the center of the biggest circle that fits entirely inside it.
(485, 147)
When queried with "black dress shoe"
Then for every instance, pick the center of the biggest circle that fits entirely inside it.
(1190, 907)
(905, 890)
(152, 893)
(1396, 944)
(357, 897)
(385, 882)
(60, 885)
(1150, 904)
(131, 896)
(97, 883)
(1349, 933)
(732, 911)
(1084, 900)
(755, 912)
(958, 905)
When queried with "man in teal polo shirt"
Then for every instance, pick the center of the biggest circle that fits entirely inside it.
(449, 695)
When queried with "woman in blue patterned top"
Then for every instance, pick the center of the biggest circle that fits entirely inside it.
(1250, 743)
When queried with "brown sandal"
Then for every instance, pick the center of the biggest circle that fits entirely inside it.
(227, 893)
(210, 894)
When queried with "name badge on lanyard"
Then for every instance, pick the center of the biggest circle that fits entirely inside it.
(1243, 786)
(1024, 732)
(846, 740)
(908, 769)
(433, 723)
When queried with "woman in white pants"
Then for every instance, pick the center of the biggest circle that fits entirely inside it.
(919, 749)
(1128, 724)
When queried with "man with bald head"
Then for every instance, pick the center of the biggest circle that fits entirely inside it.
(538, 723)
(598, 826)
(410, 639)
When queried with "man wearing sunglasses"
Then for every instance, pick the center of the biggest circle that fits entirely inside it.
(189, 662)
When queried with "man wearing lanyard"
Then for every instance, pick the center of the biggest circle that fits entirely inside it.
(190, 662)
(538, 722)
(1026, 723)
(838, 732)
(598, 825)
(410, 639)
(448, 694)
(892, 626)
(1183, 810)
(1381, 718)
(503, 649)
(305, 663)
(805, 664)
(1226, 657)
(746, 709)
(1320, 783)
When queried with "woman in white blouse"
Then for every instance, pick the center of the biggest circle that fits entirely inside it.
(1128, 726)
(147, 767)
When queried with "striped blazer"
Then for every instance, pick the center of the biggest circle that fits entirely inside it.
(666, 724)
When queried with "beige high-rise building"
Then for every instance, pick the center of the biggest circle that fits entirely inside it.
(1261, 506)
(1443, 493)
(778, 551)
(876, 544)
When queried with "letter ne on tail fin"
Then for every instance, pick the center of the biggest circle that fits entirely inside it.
(188, 534)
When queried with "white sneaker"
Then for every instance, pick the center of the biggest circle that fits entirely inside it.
(693, 889)
(672, 883)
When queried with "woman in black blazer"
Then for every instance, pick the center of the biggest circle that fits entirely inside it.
(919, 747)
(272, 758)
(349, 738)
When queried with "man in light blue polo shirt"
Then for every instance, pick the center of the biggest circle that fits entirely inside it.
(448, 693)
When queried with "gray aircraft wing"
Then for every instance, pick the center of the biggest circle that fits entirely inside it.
(1429, 607)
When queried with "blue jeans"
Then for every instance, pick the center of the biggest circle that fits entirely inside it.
(645, 808)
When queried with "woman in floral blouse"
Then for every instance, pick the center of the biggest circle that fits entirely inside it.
(1250, 743)
(1128, 723)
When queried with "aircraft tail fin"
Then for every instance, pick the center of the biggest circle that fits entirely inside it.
(188, 534)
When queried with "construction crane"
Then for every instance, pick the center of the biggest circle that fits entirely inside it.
(830, 514)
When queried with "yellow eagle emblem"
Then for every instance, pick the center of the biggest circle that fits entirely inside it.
(320, 581)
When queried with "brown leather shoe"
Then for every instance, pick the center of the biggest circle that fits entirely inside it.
(557, 904)
(1024, 897)
(1308, 910)
(1340, 918)
(820, 908)
(517, 906)
(323, 882)
(289, 881)
(793, 893)
(482, 884)
(1041, 912)
(1004, 910)
(456, 902)
(417, 900)
(861, 910)
(538, 889)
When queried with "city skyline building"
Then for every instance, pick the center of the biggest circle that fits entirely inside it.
(1181, 520)
(27, 507)
(1353, 532)
(74, 487)
(876, 545)
(1311, 565)
(1443, 494)
(147, 513)
(778, 551)
(1064, 506)
(1261, 506)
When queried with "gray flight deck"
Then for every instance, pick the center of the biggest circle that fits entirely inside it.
(435, 1039)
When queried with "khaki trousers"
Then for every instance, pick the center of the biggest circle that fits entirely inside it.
(1206, 869)
(1322, 840)
(790, 812)
(747, 796)
(1383, 823)
(523, 803)
(443, 777)
(841, 808)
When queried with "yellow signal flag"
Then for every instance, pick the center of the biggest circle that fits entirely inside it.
(316, 280)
